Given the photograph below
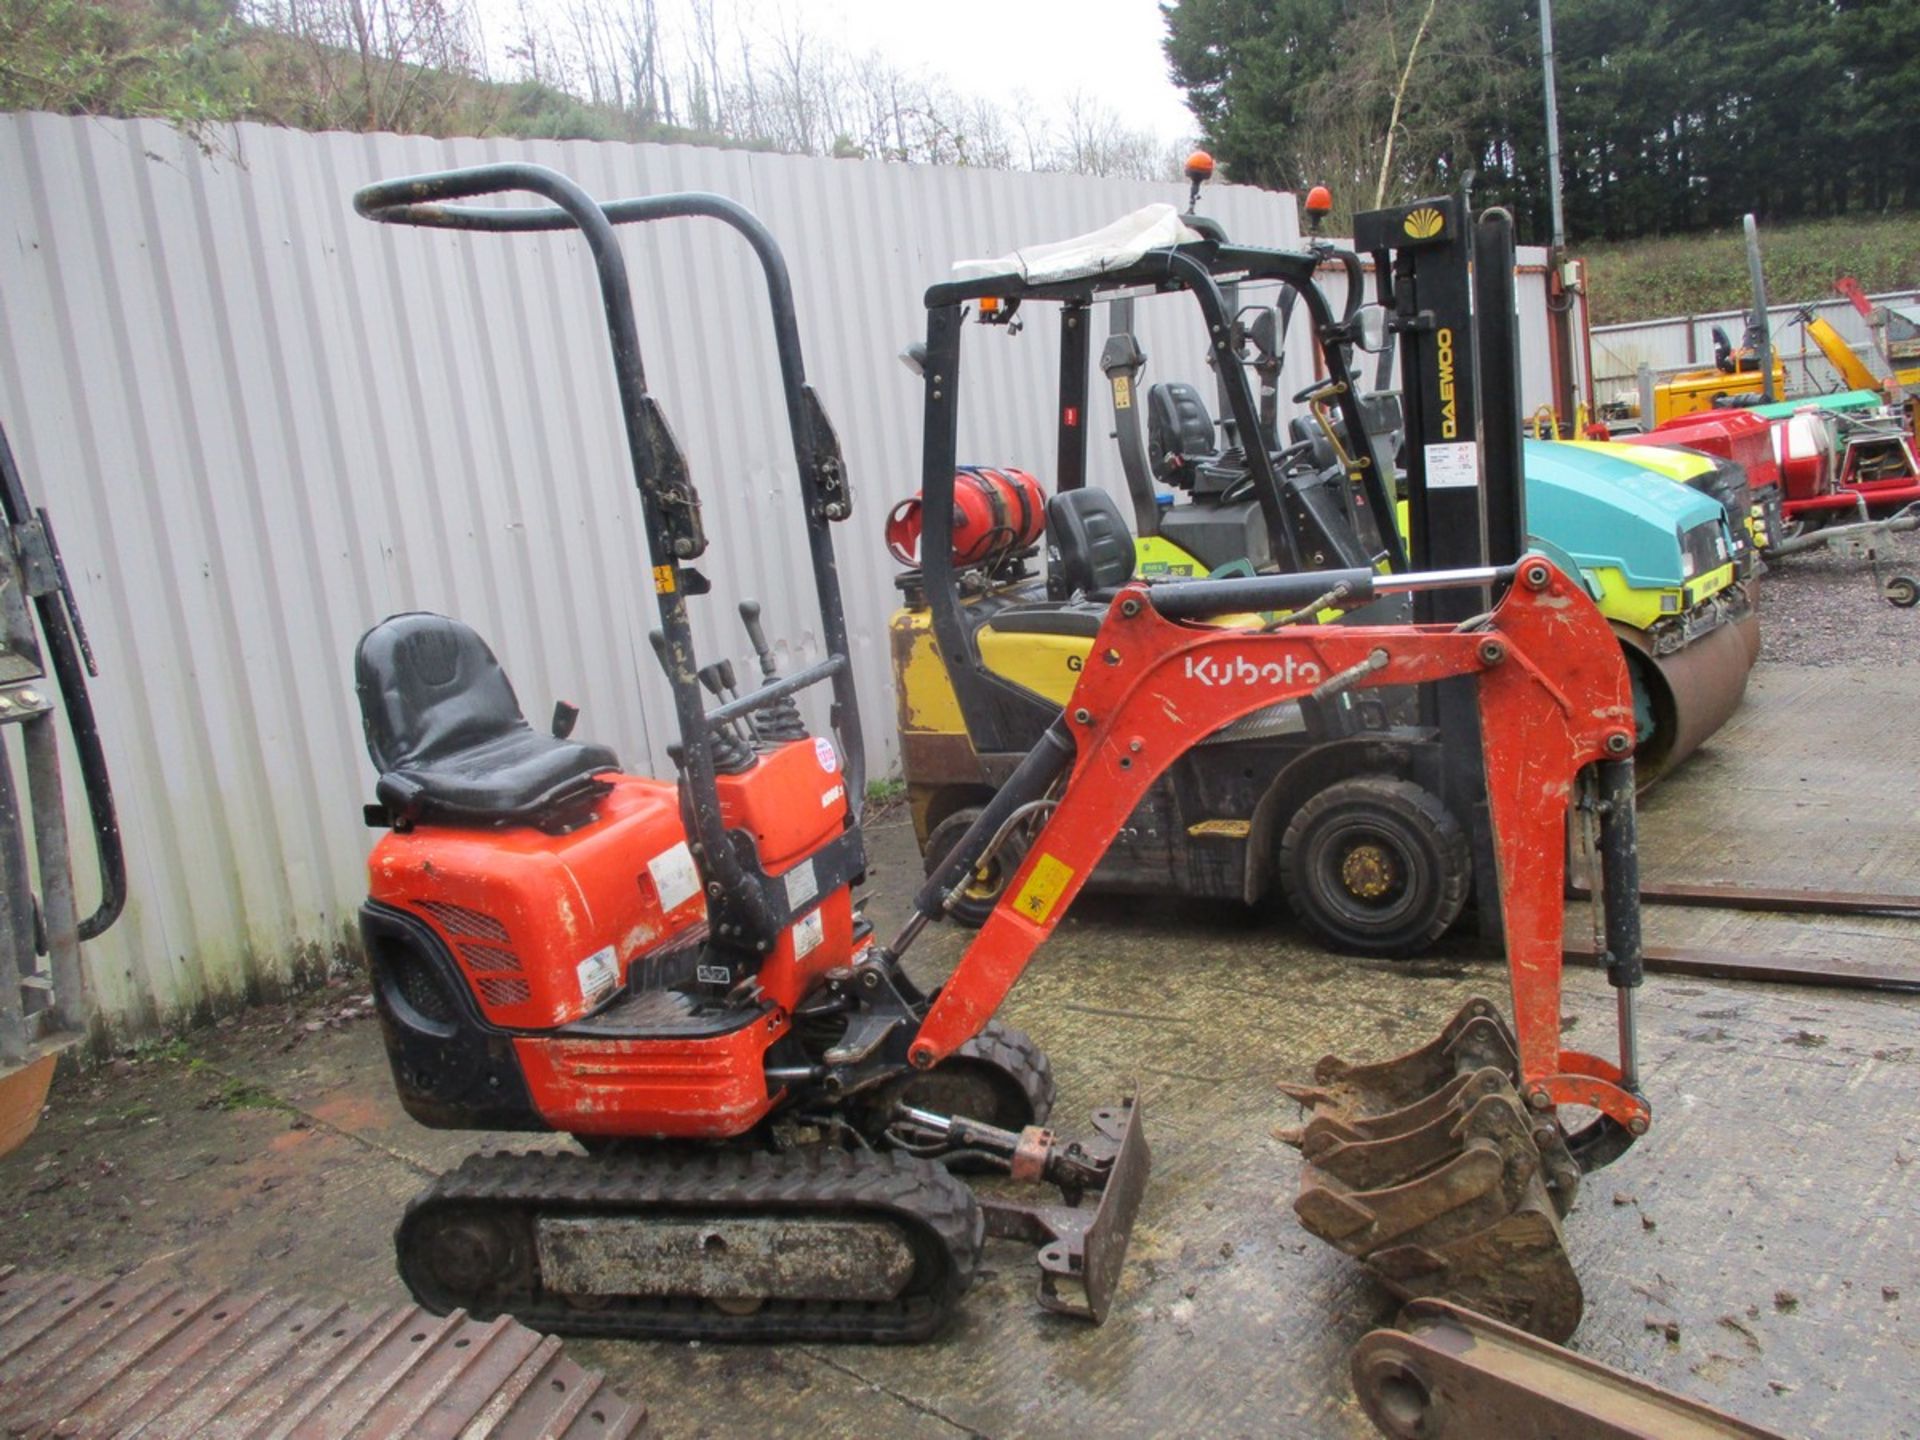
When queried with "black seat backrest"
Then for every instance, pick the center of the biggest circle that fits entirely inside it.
(1089, 547)
(430, 687)
(447, 736)
(1179, 432)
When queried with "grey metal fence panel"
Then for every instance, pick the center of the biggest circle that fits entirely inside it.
(263, 423)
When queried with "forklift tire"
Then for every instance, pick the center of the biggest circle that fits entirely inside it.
(976, 902)
(1904, 591)
(1375, 866)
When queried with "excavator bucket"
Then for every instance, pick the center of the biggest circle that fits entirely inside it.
(1430, 1168)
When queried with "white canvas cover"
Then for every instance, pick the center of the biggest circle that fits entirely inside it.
(1111, 247)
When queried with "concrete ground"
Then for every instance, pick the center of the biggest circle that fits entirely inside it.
(1758, 1249)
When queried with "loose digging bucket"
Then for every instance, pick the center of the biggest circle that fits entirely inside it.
(1430, 1168)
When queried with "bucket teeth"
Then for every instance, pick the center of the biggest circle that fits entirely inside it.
(1426, 1168)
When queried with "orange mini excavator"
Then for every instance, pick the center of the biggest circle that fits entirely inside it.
(675, 973)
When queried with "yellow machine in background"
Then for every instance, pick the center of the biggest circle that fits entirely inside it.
(1692, 391)
(1751, 370)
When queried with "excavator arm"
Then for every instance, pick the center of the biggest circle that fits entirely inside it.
(1446, 1170)
(1554, 697)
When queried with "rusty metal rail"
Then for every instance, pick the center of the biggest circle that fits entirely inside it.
(94, 1359)
(1782, 902)
(1772, 969)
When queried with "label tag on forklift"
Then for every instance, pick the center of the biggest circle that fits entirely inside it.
(663, 579)
(1042, 891)
(598, 973)
(1453, 466)
(828, 757)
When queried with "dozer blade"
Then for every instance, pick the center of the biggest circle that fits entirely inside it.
(1083, 1247)
(1430, 1169)
(1449, 1374)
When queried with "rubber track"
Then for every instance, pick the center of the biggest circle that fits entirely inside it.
(943, 1219)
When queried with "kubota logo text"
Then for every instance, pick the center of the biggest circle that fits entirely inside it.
(1213, 670)
(1449, 406)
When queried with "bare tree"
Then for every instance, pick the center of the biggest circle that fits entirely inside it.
(379, 64)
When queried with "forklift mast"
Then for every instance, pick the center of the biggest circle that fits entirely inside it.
(1449, 291)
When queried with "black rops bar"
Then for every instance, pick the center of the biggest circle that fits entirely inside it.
(1203, 599)
(669, 505)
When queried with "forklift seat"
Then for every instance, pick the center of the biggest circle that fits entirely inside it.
(448, 737)
(1089, 547)
(1179, 432)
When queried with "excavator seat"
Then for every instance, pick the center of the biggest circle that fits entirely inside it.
(447, 735)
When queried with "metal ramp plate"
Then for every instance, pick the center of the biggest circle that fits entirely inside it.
(146, 1355)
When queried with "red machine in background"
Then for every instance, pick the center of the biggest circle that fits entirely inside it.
(1747, 440)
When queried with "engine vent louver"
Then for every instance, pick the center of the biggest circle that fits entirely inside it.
(489, 957)
(497, 991)
(462, 923)
(482, 942)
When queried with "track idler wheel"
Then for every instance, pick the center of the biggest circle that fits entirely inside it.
(1000, 1076)
(1431, 1169)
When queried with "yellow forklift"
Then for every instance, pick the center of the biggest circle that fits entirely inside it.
(1364, 808)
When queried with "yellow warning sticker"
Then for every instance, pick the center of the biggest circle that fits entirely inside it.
(1042, 891)
(663, 579)
(1122, 393)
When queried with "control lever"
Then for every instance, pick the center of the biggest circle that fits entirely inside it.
(730, 753)
(757, 637)
(719, 680)
(779, 722)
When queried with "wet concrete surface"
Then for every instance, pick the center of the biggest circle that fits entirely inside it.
(1758, 1249)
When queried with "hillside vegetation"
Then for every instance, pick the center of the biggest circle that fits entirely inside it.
(1693, 274)
(561, 69)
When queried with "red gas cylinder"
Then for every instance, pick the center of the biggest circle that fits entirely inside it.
(995, 510)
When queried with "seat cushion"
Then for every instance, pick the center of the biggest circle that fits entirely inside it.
(1080, 621)
(447, 735)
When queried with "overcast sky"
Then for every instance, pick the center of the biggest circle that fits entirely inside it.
(1046, 50)
(1107, 49)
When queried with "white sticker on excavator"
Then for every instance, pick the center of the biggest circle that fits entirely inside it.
(598, 973)
(802, 886)
(675, 876)
(1453, 466)
(808, 934)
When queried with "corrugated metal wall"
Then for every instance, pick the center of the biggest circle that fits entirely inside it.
(1685, 342)
(262, 423)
